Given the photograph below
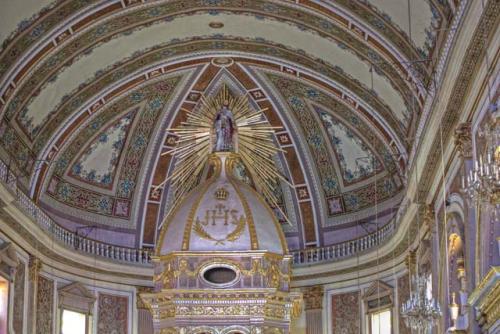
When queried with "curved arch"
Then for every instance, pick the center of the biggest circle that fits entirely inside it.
(457, 205)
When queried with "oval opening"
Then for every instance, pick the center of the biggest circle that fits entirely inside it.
(219, 275)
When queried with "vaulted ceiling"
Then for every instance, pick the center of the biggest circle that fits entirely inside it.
(90, 88)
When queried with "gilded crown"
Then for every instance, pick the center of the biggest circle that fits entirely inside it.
(221, 194)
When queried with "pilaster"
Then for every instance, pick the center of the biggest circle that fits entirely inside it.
(313, 302)
(34, 267)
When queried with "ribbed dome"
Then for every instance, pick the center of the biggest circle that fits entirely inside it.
(222, 214)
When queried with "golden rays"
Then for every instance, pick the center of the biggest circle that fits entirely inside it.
(253, 142)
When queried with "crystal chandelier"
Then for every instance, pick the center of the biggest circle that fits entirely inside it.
(482, 184)
(420, 312)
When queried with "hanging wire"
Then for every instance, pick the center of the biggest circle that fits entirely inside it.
(445, 217)
(94, 283)
(416, 181)
(376, 220)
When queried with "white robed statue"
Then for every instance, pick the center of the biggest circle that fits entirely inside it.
(224, 129)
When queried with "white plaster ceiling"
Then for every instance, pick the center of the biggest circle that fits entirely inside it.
(398, 11)
(15, 11)
(122, 47)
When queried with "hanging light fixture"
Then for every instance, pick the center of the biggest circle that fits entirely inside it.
(420, 312)
(482, 184)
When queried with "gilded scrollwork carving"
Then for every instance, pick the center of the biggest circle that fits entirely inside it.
(269, 267)
(220, 311)
(167, 276)
(142, 289)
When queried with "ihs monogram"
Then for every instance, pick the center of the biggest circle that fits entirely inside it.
(219, 213)
(217, 217)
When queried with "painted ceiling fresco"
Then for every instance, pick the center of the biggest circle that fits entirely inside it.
(356, 159)
(89, 88)
(97, 164)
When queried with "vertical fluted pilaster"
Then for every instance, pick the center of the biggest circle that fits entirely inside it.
(313, 301)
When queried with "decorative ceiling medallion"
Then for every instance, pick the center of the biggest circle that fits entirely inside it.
(222, 62)
(216, 25)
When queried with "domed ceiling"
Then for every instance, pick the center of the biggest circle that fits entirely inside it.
(89, 90)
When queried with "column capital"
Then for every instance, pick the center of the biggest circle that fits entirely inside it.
(429, 218)
(313, 297)
(463, 140)
(140, 290)
(411, 261)
(34, 266)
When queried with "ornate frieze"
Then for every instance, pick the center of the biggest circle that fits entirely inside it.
(179, 304)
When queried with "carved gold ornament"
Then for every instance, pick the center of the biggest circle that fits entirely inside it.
(221, 194)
